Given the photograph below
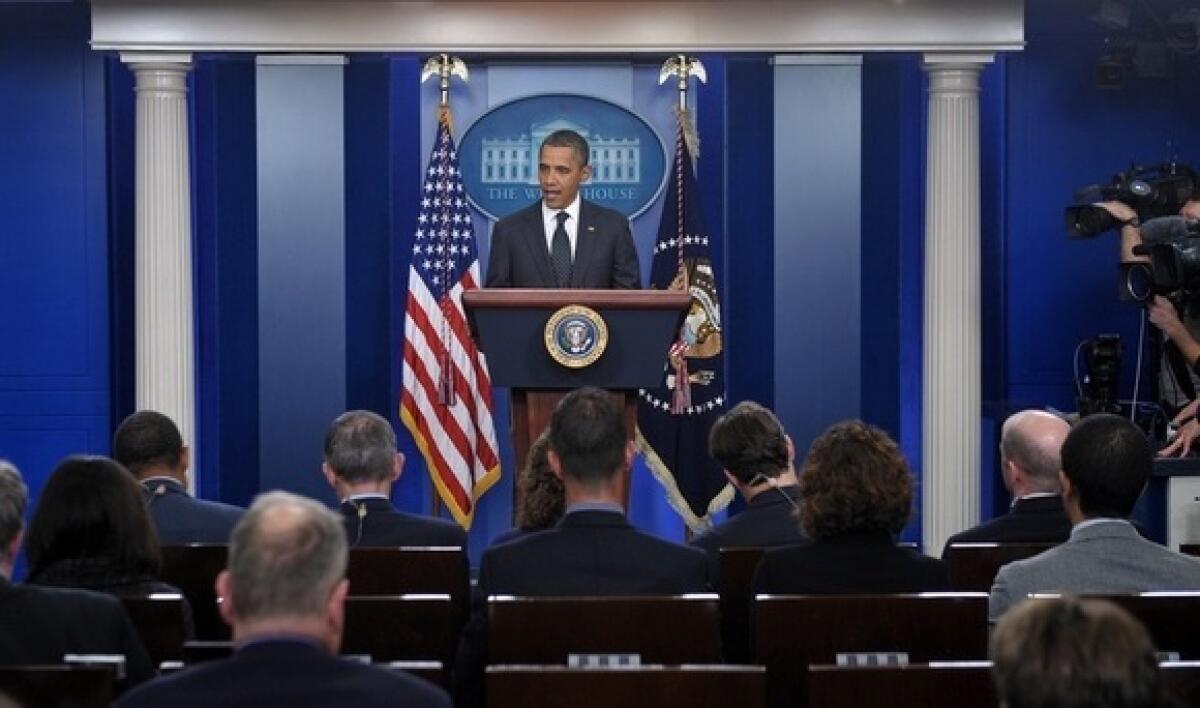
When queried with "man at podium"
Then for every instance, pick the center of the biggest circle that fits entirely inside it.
(563, 241)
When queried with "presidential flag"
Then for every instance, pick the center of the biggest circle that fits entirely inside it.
(447, 399)
(674, 418)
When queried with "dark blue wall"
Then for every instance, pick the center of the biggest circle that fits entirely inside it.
(54, 375)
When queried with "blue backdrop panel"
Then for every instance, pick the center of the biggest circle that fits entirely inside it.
(301, 270)
(53, 241)
(226, 255)
(817, 242)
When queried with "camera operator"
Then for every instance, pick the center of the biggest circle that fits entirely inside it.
(1178, 379)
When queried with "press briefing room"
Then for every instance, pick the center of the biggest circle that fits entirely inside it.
(602, 353)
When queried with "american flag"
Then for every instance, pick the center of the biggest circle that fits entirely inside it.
(447, 397)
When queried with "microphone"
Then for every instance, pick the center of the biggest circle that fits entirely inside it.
(1167, 229)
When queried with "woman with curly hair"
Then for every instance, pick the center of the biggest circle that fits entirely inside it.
(856, 494)
(542, 495)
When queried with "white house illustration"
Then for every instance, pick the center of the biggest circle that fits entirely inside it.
(511, 160)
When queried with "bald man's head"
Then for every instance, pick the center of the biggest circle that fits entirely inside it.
(1030, 448)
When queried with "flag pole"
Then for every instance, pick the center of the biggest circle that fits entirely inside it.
(444, 66)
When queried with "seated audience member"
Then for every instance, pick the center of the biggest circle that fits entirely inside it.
(1106, 462)
(541, 493)
(1030, 443)
(149, 445)
(41, 625)
(91, 530)
(361, 463)
(593, 550)
(855, 495)
(1072, 653)
(758, 459)
(284, 591)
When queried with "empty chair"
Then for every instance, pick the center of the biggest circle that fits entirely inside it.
(962, 684)
(793, 632)
(159, 621)
(399, 627)
(193, 568)
(973, 566)
(680, 629)
(692, 686)
(58, 686)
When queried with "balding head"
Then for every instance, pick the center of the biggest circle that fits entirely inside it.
(1030, 448)
(287, 564)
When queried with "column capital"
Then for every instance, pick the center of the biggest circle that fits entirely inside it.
(956, 60)
(181, 61)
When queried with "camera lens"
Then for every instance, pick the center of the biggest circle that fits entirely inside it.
(1139, 282)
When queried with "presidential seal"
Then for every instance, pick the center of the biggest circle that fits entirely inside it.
(576, 336)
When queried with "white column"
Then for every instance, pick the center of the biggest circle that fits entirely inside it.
(951, 405)
(165, 352)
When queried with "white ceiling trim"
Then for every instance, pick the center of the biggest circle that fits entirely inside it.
(619, 26)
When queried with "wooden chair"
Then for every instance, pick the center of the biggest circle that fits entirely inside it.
(1172, 618)
(1182, 680)
(558, 686)
(793, 632)
(202, 650)
(679, 629)
(158, 619)
(414, 570)
(431, 671)
(1191, 549)
(735, 586)
(58, 686)
(400, 627)
(973, 566)
(962, 684)
(193, 568)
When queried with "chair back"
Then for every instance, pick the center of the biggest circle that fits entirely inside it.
(58, 686)
(962, 684)
(400, 627)
(973, 566)
(675, 629)
(193, 568)
(159, 621)
(1172, 618)
(792, 632)
(692, 686)
(735, 586)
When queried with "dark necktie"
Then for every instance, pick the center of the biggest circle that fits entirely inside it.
(560, 252)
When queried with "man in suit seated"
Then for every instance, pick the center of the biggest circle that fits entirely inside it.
(283, 592)
(361, 463)
(149, 445)
(39, 625)
(593, 550)
(1030, 446)
(1106, 462)
(758, 460)
(563, 241)
(1072, 652)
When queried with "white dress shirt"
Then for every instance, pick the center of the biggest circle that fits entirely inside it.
(550, 223)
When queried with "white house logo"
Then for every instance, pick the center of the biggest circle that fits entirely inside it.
(498, 153)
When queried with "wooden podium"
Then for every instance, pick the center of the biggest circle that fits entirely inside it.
(509, 326)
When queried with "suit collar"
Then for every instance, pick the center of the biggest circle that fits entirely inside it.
(157, 486)
(1103, 528)
(775, 496)
(1037, 504)
(588, 518)
(375, 504)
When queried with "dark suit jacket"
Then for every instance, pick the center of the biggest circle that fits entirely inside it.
(587, 553)
(605, 256)
(286, 673)
(181, 518)
(866, 563)
(38, 625)
(1028, 521)
(768, 520)
(384, 525)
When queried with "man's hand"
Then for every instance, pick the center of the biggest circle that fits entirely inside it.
(1182, 444)
(1187, 412)
(1162, 314)
(1120, 211)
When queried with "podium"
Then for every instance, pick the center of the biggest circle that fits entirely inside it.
(510, 325)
